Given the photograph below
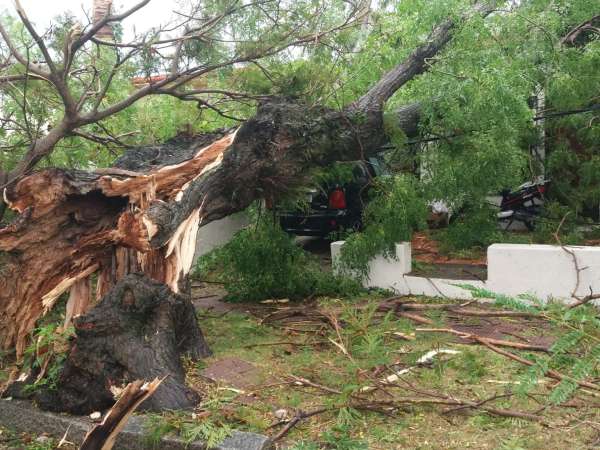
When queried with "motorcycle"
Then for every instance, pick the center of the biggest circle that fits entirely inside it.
(524, 204)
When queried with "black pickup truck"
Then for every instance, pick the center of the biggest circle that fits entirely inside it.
(334, 207)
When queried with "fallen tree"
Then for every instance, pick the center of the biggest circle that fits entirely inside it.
(143, 214)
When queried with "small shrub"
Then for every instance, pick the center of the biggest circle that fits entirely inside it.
(187, 427)
(476, 227)
(49, 347)
(339, 438)
(262, 262)
(557, 220)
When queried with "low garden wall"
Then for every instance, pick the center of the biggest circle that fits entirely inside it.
(544, 271)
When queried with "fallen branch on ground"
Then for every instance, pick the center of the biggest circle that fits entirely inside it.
(584, 300)
(360, 401)
(102, 436)
(300, 415)
(416, 318)
(398, 305)
(550, 373)
(296, 344)
(476, 338)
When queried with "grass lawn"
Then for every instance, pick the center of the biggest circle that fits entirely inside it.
(347, 373)
(340, 369)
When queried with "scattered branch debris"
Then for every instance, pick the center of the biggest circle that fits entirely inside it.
(389, 390)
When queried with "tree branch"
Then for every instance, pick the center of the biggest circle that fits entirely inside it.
(21, 77)
(592, 25)
(78, 43)
(36, 69)
(36, 37)
(415, 63)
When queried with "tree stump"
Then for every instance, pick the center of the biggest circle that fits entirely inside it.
(139, 330)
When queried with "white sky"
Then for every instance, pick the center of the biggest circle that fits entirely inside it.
(41, 12)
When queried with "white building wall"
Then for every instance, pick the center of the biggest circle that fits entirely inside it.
(218, 233)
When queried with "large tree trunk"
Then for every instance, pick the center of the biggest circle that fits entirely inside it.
(143, 214)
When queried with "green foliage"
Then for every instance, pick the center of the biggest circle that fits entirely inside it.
(365, 341)
(48, 350)
(471, 364)
(206, 430)
(582, 369)
(557, 221)
(263, 262)
(336, 438)
(188, 427)
(338, 173)
(309, 79)
(396, 210)
(13, 440)
(477, 94)
(244, 34)
(474, 228)
(155, 429)
(320, 179)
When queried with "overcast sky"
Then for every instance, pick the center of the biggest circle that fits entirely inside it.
(42, 11)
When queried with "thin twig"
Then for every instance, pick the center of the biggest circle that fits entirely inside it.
(300, 415)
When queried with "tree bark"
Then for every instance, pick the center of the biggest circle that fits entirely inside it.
(104, 435)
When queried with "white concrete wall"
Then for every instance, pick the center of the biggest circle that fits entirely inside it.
(544, 271)
(383, 272)
(392, 274)
(218, 233)
(435, 287)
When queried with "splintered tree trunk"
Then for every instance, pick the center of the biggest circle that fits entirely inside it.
(143, 215)
(140, 330)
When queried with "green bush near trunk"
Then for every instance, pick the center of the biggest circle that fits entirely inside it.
(263, 262)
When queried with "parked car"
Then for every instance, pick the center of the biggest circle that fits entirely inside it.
(334, 207)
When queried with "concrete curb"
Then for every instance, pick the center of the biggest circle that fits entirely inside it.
(23, 416)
